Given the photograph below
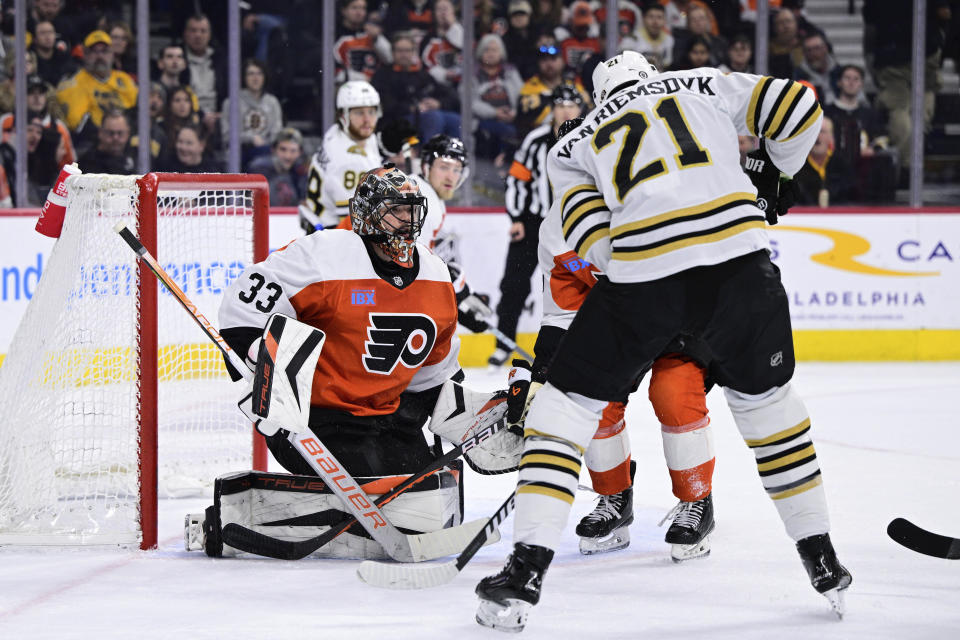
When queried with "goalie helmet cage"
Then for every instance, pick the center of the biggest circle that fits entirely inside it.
(110, 395)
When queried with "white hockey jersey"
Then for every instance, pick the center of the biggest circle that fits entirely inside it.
(567, 277)
(650, 184)
(383, 337)
(436, 213)
(335, 171)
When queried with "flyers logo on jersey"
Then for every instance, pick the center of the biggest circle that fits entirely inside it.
(398, 338)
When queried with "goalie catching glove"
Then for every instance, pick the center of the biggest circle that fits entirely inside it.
(519, 395)
(461, 413)
(776, 191)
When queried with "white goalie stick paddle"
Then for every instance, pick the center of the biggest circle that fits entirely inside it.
(423, 576)
(397, 545)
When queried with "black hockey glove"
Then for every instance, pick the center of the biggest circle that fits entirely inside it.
(776, 192)
(519, 394)
(472, 308)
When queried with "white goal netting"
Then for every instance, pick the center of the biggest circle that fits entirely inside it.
(71, 387)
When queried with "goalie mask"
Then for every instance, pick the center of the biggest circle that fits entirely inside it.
(619, 71)
(444, 147)
(388, 210)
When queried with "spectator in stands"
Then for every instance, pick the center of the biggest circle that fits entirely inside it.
(698, 26)
(178, 112)
(6, 197)
(189, 154)
(124, 46)
(748, 10)
(678, 12)
(408, 92)
(548, 16)
(51, 11)
(696, 55)
(891, 40)
(818, 67)
(497, 87)
(361, 47)
(284, 169)
(206, 71)
(8, 83)
(628, 16)
(442, 53)
(535, 94)
(653, 40)
(520, 33)
(97, 87)
(825, 178)
(786, 50)
(172, 63)
(739, 55)
(804, 27)
(412, 17)
(53, 60)
(44, 152)
(41, 103)
(580, 44)
(111, 155)
(261, 117)
(859, 137)
(158, 135)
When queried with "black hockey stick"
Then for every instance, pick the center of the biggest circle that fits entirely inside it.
(423, 576)
(252, 541)
(922, 541)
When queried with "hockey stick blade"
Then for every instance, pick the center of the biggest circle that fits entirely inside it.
(922, 541)
(424, 546)
(424, 576)
(245, 539)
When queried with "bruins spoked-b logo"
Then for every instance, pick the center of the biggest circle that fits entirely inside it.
(405, 338)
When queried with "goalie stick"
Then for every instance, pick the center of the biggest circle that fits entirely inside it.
(252, 541)
(922, 541)
(423, 576)
(399, 546)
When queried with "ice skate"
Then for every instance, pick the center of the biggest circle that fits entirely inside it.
(506, 598)
(827, 575)
(689, 534)
(606, 528)
(498, 358)
(193, 532)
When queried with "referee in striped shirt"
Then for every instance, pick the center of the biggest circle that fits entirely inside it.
(528, 199)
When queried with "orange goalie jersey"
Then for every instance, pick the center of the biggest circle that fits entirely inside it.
(386, 332)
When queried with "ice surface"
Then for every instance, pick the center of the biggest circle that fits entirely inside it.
(888, 440)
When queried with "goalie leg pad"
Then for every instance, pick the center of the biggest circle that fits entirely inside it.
(776, 426)
(291, 507)
(462, 413)
(558, 430)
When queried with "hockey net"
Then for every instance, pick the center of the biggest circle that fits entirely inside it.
(110, 395)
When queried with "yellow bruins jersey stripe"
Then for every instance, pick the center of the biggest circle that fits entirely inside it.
(588, 240)
(805, 452)
(785, 110)
(546, 491)
(805, 122)
(582, 210)
(704, 208)
(756, 103)
(779, 436)
(580, 188)
(777, 103)
(550, 460)
(806, 486)
(705, 237)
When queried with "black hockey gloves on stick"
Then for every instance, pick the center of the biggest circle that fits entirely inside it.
(776, 192)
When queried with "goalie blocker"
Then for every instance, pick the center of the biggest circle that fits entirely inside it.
(295, 507)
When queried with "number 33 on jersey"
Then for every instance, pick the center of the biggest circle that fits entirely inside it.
(383, 337)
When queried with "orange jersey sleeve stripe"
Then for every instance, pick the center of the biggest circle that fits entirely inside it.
(520, 172)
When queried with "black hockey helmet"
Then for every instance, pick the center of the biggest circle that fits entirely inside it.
(566, 92)
(569, 126)
(379, 192)
(444, 146)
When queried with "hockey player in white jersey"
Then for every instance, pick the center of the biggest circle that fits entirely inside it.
(652, 192)
(349, 150)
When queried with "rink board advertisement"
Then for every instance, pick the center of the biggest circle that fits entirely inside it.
(863, 285)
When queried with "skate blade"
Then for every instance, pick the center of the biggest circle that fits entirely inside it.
(616, 539)
(838, 603)
(509, 618)
(683, 552)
